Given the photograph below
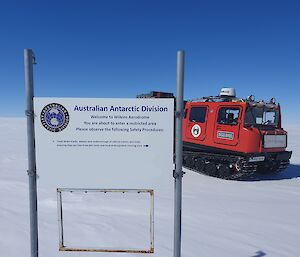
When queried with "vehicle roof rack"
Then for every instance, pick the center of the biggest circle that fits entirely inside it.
(217, 99)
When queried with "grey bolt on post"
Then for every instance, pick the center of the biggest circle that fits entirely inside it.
(29, 60)
(178, 154)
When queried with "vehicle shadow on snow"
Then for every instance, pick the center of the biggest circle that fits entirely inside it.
(259, 254)
(293, 171)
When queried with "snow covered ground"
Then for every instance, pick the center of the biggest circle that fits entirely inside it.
(254, 218)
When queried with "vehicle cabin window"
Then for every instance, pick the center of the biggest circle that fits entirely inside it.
(270, 117)
(228, 116)
(198, 114)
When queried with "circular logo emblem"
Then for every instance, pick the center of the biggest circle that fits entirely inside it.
(196, 130)
(55, 117)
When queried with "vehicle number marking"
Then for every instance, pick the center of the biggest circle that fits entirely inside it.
(225, 135)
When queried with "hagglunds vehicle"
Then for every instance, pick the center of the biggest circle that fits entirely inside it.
(229, 137)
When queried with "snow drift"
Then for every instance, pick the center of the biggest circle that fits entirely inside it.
(250, 218)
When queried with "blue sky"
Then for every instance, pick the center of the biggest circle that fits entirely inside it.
(122, 48)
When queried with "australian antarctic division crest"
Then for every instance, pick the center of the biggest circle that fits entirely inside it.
(196, 130)
(55, 117)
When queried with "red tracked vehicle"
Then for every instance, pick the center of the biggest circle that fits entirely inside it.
(229, 137)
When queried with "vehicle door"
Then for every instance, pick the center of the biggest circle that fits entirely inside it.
(196, 123)
(227, 125)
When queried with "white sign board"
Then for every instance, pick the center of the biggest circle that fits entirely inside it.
(105, 146)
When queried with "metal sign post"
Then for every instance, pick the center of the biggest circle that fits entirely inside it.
(178, 153)
(29, 60)
(36, 132)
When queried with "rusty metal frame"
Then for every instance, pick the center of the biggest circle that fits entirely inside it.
(63, 247)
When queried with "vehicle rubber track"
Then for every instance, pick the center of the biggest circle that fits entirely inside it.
(228, 167)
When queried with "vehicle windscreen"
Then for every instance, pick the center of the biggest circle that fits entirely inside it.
(262, 116)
